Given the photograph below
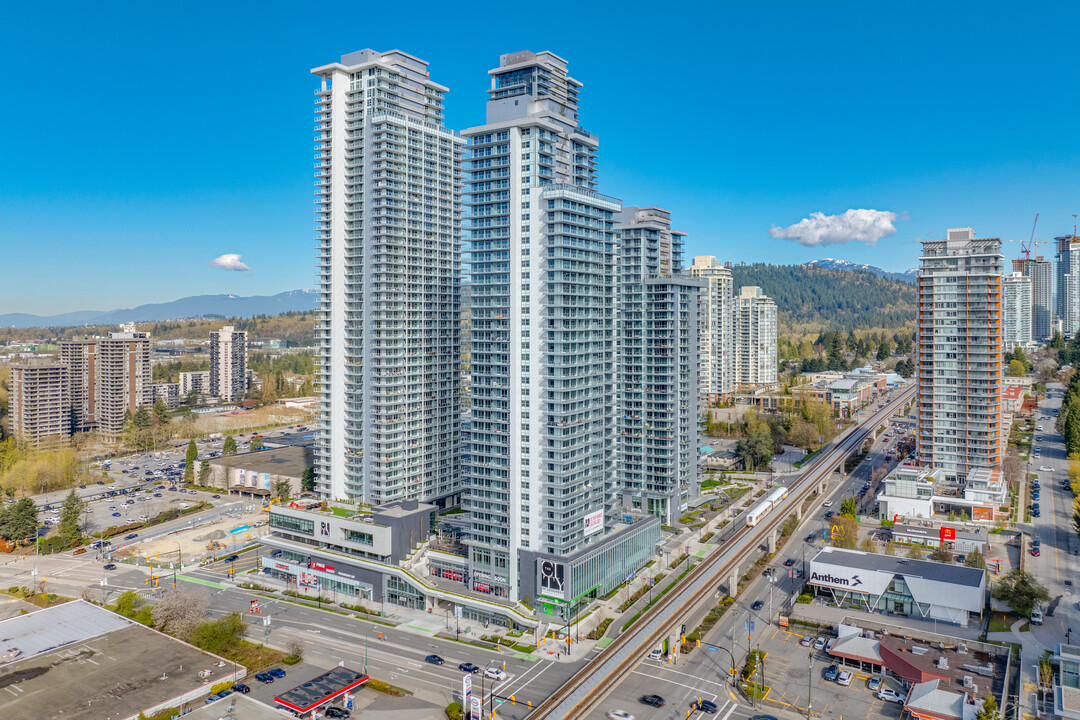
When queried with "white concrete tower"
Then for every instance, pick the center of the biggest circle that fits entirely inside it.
(388, 234)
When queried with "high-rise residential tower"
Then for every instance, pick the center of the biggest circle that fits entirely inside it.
(540, 481)
(124, 379)
(657, 366)
(755, 338)
(80, 355)
(1068, 287)
(959, 354)
(228, 363)
(388, 235)
(1017, 301)
(1041, 272)
(40, 401)
(717, 335)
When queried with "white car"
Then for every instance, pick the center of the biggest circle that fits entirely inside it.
(890, 696)
(844, 678)
(496, 674)
(619, 715)
(819, 644)
(655, 655)
(827, 503)
(1046, 468)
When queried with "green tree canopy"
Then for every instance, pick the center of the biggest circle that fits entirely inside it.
(229, 448)
(70, 512)
(256, 444)
(189, 461)
(307, 480)
(1017, 368)
(849, 507)
(161, 413)
(1021, 591)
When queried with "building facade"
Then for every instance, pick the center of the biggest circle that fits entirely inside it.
(124, 379)
(388, 234)
(167, 392)
(1017, 298)
(898, 586)
(1041, 272)
(197, 381)
(959, 354)
(1068, 289)
(540, 478)
(80, 356)
(40, 401)
(717, 333)
(228, 364)
(755, 338)
(657, 367)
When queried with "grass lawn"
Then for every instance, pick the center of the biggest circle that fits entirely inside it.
(997, 625)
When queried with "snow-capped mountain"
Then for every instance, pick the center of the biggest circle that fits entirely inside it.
(225, 306)
(907, 276)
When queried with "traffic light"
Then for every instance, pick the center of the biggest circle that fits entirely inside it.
(684, 639)
(698, 642)
(683, 629)
(512, 700)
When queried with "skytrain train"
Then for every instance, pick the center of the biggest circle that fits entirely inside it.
(767, 503)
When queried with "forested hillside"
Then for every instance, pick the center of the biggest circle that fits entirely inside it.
(812, 299)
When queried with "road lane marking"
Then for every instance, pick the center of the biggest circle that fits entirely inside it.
(672, 682)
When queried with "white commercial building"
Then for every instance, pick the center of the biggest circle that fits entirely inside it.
(228, 364)
(1017, 298)
(908, 492)
(388, 236)
(717, 334)
(755, 338)
(899, 586)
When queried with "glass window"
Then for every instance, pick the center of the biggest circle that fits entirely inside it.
(295, 524)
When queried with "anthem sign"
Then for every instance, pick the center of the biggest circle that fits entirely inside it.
(830, 579)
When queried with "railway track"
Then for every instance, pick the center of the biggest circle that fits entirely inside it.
(590, 684)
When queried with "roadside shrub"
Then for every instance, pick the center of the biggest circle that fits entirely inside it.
(453, 711)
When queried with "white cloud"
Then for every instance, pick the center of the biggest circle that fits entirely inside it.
(866, 226)
(229, 261)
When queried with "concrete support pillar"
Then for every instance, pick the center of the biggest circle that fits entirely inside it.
(798, 512)
(733, 582)
(772, 541)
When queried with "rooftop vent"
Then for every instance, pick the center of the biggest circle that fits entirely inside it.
(942, 662)
(919, 650)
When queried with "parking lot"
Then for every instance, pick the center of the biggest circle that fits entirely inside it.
(793, 679)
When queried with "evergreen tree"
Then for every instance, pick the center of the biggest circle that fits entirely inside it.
(70, 512)
(204, 472)
(989, 709)
(229, 447)
(161, 413)
(189, 461)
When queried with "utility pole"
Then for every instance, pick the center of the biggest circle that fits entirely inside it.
(810, 686)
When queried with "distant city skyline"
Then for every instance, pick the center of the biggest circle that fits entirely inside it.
(160, 171)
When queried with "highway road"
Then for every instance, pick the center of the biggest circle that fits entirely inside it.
(583, 693)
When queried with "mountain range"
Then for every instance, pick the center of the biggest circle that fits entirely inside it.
(907, 276)
(196, 306)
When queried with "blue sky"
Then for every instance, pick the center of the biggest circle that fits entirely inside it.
(142, 140)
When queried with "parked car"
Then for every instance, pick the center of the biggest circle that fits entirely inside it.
(469, 668)
(495, 674)
(264, 677)
(335, 713)
(211, 699)
(654, 655)
(1036, 617)
(819, 642)
(654, 700)
(241, 688)
(807, 641)
(831, 673)
(434, 660)
(874, 683)
(844, 678)
(277, 672)
(890, 696)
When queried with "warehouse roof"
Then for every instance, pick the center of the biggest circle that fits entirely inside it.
(940, 572)
(287, 461)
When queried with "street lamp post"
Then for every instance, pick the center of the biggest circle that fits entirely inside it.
(366, 636)
(810, 687)
(179, 560)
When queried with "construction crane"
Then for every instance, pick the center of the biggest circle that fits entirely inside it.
(1026, 246)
